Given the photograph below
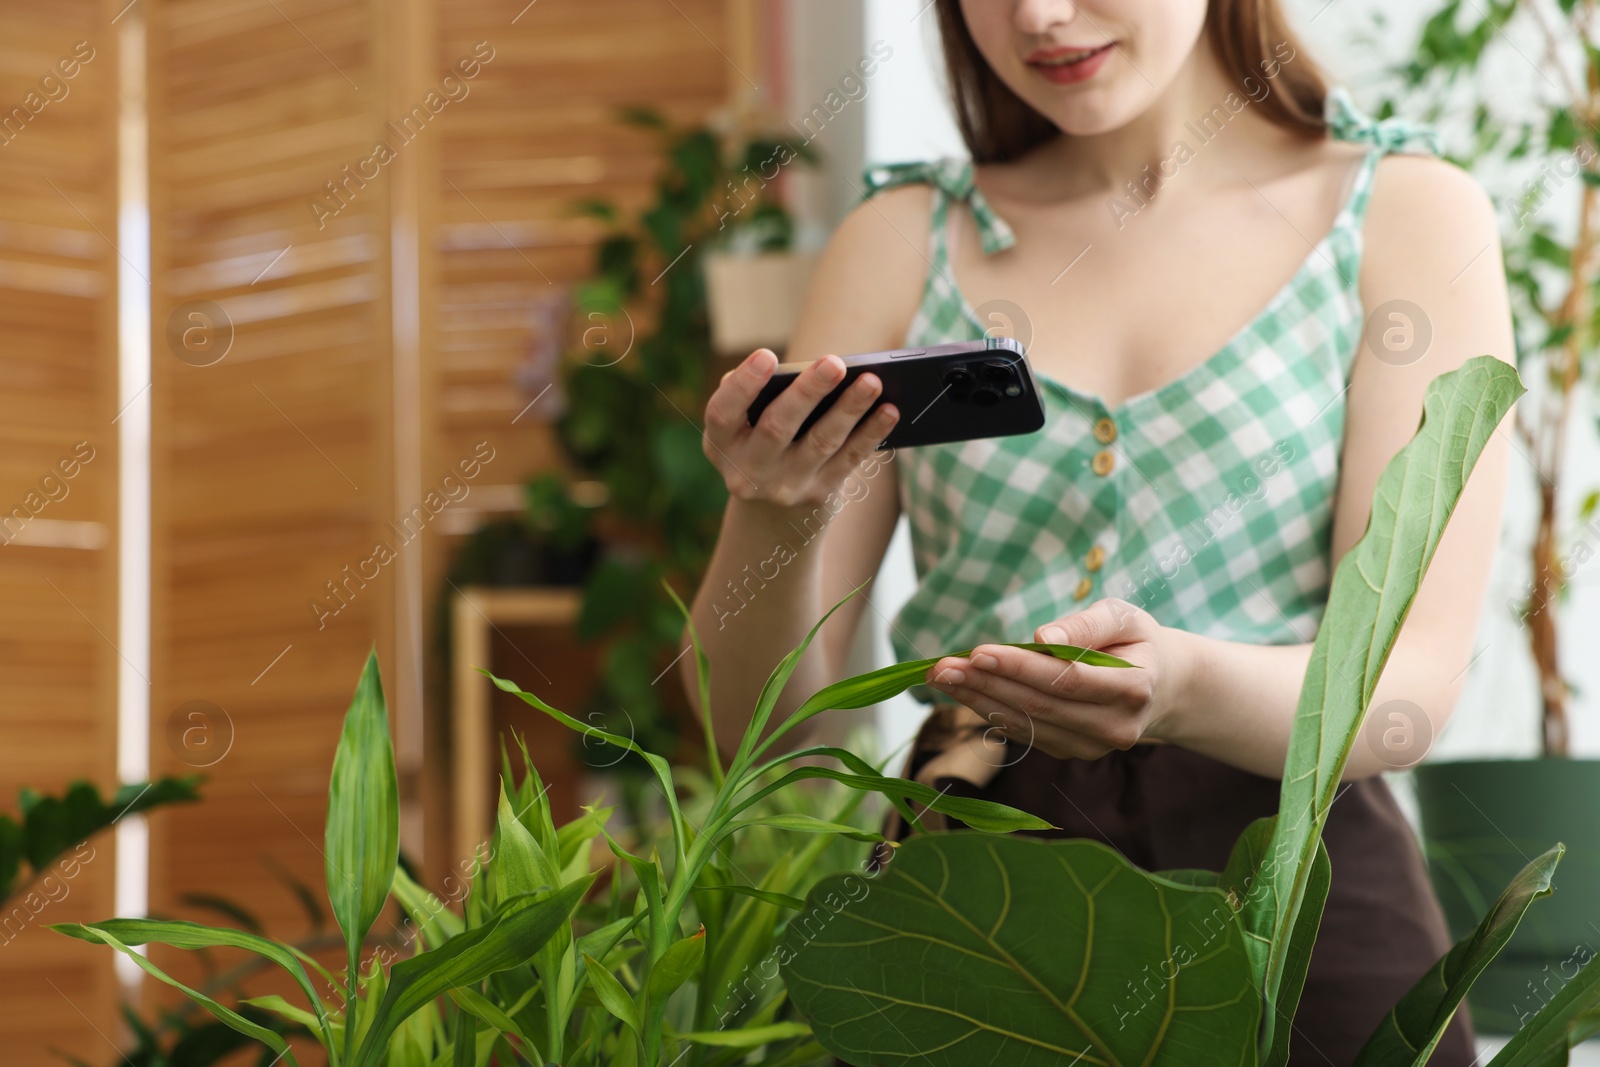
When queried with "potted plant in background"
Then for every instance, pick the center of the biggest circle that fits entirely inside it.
(632, 389)
(1481, 818)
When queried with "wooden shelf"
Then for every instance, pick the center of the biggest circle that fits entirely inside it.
(477, 612)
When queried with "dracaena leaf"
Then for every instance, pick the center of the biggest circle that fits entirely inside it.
(363, 831)
(179, 933)
(612, 995)
(972, 948)
(681, 960)
(518, 930)
(750, 1037)
(223, 1014)
(1372, 590)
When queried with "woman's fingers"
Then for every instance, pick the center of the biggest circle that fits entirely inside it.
(1106, 722)
(830, 432)
(861, 443)
(727, 411)
(1062, 678)
(774, 432)
(1030, 730)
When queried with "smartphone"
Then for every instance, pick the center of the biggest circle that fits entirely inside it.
(964, 391)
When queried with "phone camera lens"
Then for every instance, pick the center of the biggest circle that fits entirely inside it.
(985, 396)
(958, 381)
(999, 371)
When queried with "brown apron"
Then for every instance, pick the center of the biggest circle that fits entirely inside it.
(1164, 808)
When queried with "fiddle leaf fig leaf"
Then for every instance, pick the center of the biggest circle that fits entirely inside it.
(1372, 591)
(972, 948)
(1413, 1027)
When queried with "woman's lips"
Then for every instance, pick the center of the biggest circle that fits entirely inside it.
(1066, 66)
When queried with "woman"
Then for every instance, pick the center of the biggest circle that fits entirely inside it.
(1234, 291)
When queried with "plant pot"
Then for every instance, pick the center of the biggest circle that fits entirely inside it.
(754, 300)
(1482, 821)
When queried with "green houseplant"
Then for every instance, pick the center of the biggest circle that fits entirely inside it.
(1539, 149)
(1034, 944)
(636, 376)
(550, 963)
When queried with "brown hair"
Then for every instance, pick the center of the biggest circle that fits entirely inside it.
(1251, 38)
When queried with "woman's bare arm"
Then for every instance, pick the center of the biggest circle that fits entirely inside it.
(806, 522)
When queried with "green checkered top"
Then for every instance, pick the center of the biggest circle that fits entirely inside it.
(1208, 501)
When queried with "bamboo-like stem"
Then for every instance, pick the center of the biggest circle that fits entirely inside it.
(1547, 435)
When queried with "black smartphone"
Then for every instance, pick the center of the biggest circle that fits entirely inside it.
(964, 391)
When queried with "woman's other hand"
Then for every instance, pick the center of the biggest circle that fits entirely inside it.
(1071, 710)
(765, 462)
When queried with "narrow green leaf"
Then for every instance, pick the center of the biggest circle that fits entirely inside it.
(223, 1014)
(874, 687)
(675, 966)
(516, 932)
(1372, 590)
(702, 665)
(767, 700)
(1414, 1026)
(612, 995)
(465, 1041)
(660, 767)
(428, 913)
(480, 1007)
(808, 824)
(282, 1008)
(180, 933)
(767, 896)
(754, 1037)
(983, 815)
(363, 832)
(519, 865)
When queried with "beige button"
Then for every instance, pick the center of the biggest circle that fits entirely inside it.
(1105, 431)
(1103, 462)
(1082, 590)
(1095, 557)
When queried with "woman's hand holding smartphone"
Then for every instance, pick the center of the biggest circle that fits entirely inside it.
(764, 462)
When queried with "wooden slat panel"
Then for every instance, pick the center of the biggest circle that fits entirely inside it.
(273, 467)
(537, 132)
(58, 374)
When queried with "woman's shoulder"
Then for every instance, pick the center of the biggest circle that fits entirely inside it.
(869, 279)
(1426, 213)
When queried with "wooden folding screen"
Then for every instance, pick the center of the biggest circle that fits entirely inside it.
(539, 133)
(362, 225)
(272, 453)
(58, 495)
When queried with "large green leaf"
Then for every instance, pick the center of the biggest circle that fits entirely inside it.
(1413, 1027)
(1372, 591)
(187, 935)
(972, 948)
(1246, 879)
(1566, 1018)
(516, 932)
(363, 831)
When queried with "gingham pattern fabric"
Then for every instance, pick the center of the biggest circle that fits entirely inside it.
(1208, 501)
